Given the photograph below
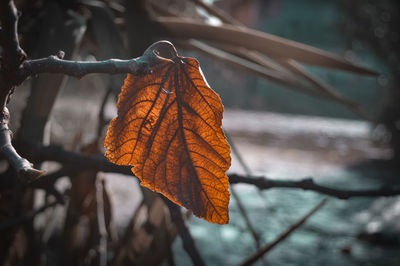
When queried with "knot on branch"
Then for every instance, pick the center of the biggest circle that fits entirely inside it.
(306, 182)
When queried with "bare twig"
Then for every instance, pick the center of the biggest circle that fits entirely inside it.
(80, 162)
(1, 36)
(15, 69)
(23, 167)
(245, 216)
(102, 121)
(12, 57)
(76, 161)
(308, 184)
(101, 223)
(283, 236)
(47, 182)
(240, 205)
(187, 239)
(78, 69)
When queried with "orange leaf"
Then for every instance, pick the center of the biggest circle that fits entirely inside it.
(169, 128)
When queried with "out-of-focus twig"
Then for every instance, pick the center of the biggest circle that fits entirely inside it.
(290, 64)
(80, 162)
(183, 231)
(1, 36)
(283, 236)
(245, 216)
(14, 221)
(102, 121)
(240, 205)
(327, 89)
(77, 161)
(309, 184)
(101, 223)
(12, 54)
(12, 57)
(258, 41)
(49, 184)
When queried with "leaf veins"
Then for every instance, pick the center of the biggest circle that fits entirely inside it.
(169, 128)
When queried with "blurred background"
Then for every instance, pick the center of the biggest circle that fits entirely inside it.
(342, 128)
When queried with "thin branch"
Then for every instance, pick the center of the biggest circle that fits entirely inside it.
(23, 167)
(14, 221)
(245, 216)
(75, 160)
(308, 184)
(1, 36)
(78, 69)
(80, 162)
(13, 55)
(183, 231)
(14, 70)
(101, 223)
(102, 121)
(283, 236)
(47, 182)
(240, 205)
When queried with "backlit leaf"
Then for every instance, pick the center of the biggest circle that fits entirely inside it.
(169, 128)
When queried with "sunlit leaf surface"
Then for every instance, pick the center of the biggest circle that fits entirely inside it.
(169, 128)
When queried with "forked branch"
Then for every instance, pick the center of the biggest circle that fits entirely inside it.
(15, 69)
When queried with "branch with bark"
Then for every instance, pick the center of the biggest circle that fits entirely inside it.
(80, 162)
(23, 167)
(11, 59)
(15, 69)
(55, 64)
(309, 184)
(183, 231)
(261, 252)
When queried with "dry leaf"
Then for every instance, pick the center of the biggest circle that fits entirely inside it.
(169, 128)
